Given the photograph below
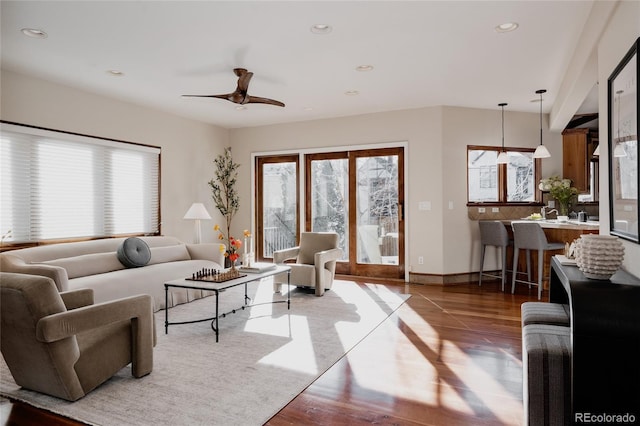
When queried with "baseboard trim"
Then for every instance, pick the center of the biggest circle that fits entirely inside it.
(446, 279)
(427, 279)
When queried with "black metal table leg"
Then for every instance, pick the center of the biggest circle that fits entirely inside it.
(166, 309)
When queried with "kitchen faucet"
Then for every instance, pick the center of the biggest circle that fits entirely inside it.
(544, 212)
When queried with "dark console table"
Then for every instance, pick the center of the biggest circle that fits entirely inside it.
(605, 339)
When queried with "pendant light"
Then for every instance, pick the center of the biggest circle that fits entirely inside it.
(541, 150)
(503, 158)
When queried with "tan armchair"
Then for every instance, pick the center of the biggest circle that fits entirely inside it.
(315, 264)
(63, 345)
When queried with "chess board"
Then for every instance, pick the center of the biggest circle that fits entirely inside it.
(215, 276)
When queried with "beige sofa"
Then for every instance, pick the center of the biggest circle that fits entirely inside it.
(95, 265)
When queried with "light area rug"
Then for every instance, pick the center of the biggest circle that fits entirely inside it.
(265, 357)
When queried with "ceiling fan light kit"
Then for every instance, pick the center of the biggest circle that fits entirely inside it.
(240, 95)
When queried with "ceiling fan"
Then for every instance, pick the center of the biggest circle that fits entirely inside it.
(240, 95)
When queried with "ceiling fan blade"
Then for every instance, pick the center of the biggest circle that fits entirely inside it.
(240, 95)
(227, 96)
(259, 100)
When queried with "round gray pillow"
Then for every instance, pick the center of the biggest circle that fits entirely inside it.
(134, 252)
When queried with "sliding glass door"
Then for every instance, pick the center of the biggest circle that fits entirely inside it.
(357, 194)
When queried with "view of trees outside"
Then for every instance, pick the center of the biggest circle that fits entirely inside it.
(377, 209)
(279, 206)
(520, 177)
(483, 174)
(330, 199)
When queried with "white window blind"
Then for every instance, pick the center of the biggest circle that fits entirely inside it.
(57, 185)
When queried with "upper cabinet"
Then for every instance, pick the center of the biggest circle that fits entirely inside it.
(577, 157)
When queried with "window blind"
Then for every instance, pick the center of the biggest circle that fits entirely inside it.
(57, 186)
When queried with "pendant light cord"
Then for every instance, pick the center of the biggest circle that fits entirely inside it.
(502, 105)
(540, 92)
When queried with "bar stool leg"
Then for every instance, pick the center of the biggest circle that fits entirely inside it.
(540, 269)
(481, 263)
(515, 269)
(529, 266)
(504, 266)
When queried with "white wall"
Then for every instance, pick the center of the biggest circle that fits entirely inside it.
(419, 127)
(465, 126)
(437, 140)
(621, 33)
(188, 147)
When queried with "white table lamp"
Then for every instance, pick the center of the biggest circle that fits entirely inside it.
(198, 213)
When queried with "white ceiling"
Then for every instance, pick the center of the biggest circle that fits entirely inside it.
(424, 53)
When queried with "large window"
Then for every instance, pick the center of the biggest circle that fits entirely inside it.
(490, 182)
(63, 186)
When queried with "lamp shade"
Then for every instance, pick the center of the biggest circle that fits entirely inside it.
(197, 211)
(541, 152)
(503, 158)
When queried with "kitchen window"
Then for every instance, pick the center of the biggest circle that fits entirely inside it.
(513, 183)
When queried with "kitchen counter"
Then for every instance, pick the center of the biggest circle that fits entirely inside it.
(554, 224)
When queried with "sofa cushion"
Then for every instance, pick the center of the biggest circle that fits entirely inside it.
(169, 254)
(133, 253)
(87, 264)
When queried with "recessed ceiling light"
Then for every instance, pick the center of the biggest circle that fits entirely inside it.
(351, 92)
(115, 73)
(241, 108)
(507, 27)
(307, 109)
(321, 29)
(34, 32)
(364, 68)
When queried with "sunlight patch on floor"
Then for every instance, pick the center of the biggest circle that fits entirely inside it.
(298, 354)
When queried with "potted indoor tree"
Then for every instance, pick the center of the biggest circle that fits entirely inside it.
(223, 190)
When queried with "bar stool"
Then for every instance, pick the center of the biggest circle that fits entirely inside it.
(493, 233)
(530, 236)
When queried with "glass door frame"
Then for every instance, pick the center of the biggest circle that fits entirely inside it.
(352, 267)
(260, 161)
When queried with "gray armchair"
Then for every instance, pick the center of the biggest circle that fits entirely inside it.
(63, 345)
(315, 264)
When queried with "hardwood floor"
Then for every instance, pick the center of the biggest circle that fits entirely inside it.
(449, 356)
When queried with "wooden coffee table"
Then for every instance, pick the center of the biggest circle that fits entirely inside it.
(217, 288)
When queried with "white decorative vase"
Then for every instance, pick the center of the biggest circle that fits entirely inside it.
(599, 256)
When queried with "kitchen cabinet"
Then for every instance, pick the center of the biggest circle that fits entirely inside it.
(577, 154)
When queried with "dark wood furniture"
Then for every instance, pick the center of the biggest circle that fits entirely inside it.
(605, 338)
(578, 146)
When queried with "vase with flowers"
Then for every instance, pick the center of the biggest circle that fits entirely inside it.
(233, 251)
(562, 191)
